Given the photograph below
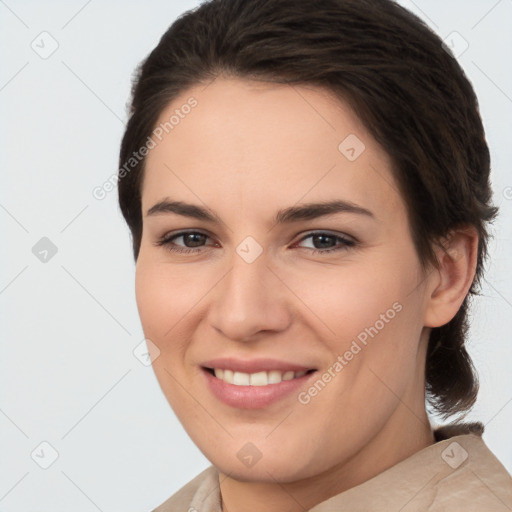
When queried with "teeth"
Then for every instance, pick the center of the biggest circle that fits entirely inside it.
(241, 379)
(275, 377)
(256, 379)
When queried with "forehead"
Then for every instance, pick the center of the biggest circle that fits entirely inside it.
(256, 144)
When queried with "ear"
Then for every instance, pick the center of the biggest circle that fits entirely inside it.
(449, 283)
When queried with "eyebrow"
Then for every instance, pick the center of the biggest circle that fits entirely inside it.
(306, 211)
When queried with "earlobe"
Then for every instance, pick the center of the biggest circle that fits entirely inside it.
(451, 280)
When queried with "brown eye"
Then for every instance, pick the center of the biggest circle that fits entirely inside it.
(192, 241)
(323, 242)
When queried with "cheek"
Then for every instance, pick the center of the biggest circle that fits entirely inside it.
(164, 296)
(366, 314)
(161, 304)
(171, 303)
(346, 300)
(152, 295)
(163, 308)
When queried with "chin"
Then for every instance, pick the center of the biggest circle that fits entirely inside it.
(246, 463)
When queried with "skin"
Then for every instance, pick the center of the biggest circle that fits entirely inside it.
(247, 150)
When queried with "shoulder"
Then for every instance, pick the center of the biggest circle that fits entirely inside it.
(473, 479)
(201, 493)
(457, 473)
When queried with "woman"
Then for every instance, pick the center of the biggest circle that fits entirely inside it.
(307, 188)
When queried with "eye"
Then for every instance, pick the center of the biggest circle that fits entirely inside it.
(324, 242)
(193, 241)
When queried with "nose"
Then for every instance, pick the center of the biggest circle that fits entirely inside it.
(249, 300)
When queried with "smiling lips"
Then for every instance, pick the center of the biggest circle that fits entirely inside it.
(256, 379)
(253, 384)
(256, 372)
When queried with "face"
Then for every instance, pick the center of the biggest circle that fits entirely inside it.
(276, 253)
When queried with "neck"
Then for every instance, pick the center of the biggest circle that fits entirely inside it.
(389, 447)
(406, 432)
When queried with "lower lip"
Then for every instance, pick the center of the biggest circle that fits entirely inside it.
(253, 397)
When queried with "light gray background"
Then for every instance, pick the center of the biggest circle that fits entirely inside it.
(69, 325)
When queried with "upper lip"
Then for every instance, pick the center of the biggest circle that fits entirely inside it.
(253, 365)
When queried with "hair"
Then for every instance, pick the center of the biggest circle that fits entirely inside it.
(407, 89)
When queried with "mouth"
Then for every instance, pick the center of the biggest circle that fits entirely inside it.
(261, 378)
(254, 384)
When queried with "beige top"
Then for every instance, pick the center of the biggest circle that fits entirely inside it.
(457, 473)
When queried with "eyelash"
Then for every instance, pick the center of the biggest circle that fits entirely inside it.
(166, 242)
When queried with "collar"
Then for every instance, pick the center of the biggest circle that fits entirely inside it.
(458, 466)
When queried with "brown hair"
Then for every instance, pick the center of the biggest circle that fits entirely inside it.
(410, 93)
